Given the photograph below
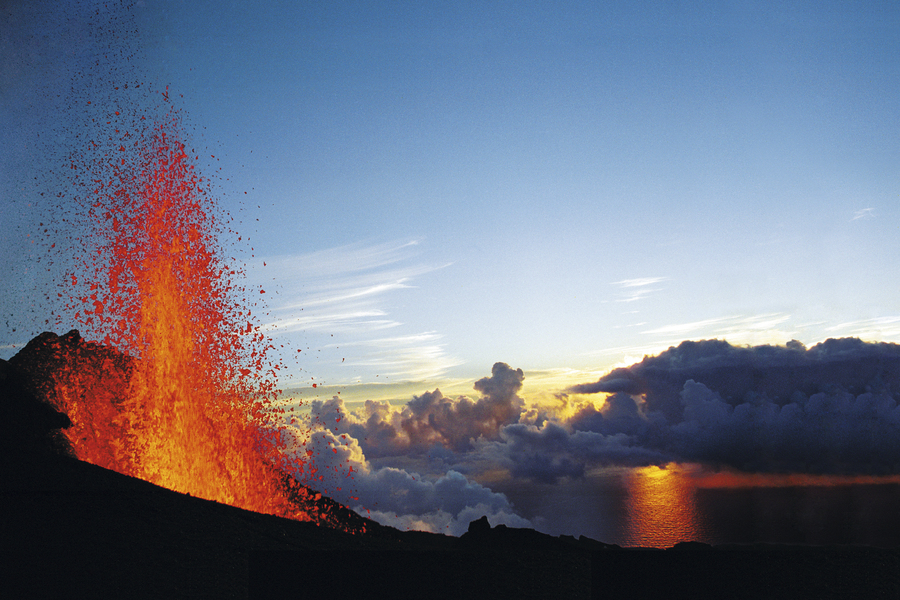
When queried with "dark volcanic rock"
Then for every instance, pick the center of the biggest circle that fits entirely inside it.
(28, 425)
(50, 359)
(78, 377)
(479, 526)
(691, 546)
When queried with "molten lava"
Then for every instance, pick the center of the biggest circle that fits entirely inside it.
(183, 403)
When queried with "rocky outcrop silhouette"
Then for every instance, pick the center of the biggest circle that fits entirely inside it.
(68, 373)
(28, 425)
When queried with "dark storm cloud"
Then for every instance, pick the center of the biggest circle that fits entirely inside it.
(777, 371)
(620, 414)
(835, 432)
(609, 386)
(553, 451)
(500, 389)
(831, 408)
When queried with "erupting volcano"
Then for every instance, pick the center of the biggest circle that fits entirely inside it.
(180, 392)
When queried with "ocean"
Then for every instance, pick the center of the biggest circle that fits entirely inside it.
(658, 508)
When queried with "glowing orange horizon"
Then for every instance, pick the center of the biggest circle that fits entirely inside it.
(661, 510)
(737, 479)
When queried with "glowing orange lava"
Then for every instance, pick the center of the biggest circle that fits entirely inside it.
(186, 407)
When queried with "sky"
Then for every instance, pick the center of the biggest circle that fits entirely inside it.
(559, 188)
(431, 189)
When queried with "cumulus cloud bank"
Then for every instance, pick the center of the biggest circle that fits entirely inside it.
(831, 408)
(432, 419)
(828, 409)
(432, 428)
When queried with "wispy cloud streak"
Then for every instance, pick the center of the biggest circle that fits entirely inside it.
(637, 289)
(350, 290)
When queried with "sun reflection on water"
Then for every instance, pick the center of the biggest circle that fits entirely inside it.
(661, 510)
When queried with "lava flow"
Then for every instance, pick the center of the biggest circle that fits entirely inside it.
(182, 396)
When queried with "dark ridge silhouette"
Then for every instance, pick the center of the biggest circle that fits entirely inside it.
(72, 529)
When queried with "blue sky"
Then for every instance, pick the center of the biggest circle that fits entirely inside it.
(562, 187)
(557, 186)
(554, 185)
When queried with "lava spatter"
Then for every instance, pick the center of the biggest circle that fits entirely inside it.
(173, 380)
(196, 413)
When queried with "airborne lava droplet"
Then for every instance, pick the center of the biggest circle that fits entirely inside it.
(193, 410)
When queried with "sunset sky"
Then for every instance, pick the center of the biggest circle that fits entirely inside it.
(553, 185)
(562, 187)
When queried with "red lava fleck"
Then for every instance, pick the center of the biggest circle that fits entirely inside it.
(197, 416)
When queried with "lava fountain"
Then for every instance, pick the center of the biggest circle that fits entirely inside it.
(183, 395)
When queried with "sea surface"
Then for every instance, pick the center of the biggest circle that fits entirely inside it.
(658, 508)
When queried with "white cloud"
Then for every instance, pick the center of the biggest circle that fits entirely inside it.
(352, 290)
(354, 293)
(757, 329)
(684, 329)
(878, 328)
(350, 258)
(347, 321)
(417, 356)
(637, 289)
(444, 502)
(639, 282)
(865, 213)
(760, 329)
